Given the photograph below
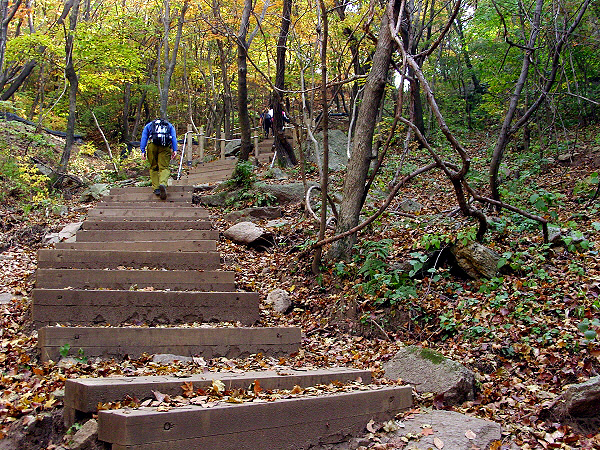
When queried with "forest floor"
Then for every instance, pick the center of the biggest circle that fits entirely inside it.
(520, 332)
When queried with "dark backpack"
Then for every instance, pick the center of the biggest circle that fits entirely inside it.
(160, 134)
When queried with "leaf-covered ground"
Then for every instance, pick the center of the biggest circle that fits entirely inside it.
(520, 332)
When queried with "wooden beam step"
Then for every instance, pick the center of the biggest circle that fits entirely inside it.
(144, 235)
(136, 246)
(175, 280)
(102, 259)
(84, 394)
(181, 213)
(78, 307)
(145, 189)
(149, 197)
(211, 170)
(175, 224)
(294, 423)
(133, 204)
(113, 342)
(227, 162)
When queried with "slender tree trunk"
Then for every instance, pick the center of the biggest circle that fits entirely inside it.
(504, 136)
(285, 152)
(71, 76)
(243, 116)
(125, 118)
(170, 59)
(227, 97)
(325, 124)
(358, 165)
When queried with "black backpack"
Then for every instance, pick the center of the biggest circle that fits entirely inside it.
(160, 134)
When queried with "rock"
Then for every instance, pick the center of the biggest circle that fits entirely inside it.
(578, 406)
(410, 206)
(451, 429)
(254, 214)
(280, 300)
(167, 358)
(233, 147)
(429, 371)
(277, 223)
(277, 174)
(285, 193)
(95, 192)
(217, 199)
(565, 237)
(85, 437)
(476, 260)
(338, 149)
(249, 234)
(5, 297)
(69, 231)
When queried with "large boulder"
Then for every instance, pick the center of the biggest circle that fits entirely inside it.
(448, 430)
(338, 149)
(476, 260)
(254, 214)
(233, 147)
(249, 234)
(578, 406)
(429, 371)
(285, 193)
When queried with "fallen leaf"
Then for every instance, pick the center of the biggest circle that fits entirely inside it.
(470, 435)
(438, 442)
(427, 431)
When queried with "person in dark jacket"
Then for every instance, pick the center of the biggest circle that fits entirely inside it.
(159, 147)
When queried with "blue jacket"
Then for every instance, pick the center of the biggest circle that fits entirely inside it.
(148, 130)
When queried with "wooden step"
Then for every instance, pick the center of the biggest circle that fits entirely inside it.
(145, 189)
(293, 423)
(149, 197)
(84, 394)
(112, 342)
(211, 170)
(132, 204)
(115, 213)
(78, 307)
(197, 224)
(175, 280)
(227, 162)
(144, 235)
(102, 259)
(136, 246)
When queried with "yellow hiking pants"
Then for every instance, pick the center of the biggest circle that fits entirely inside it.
(159, 158)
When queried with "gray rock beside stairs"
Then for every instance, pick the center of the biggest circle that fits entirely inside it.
(476, 259)
(429, 371)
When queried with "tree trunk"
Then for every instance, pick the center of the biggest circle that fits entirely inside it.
(504, 136)
(170, 59)
(325, 124)
(227, 97)
(71, 76)
(243, 116)
(285, 152)
(358, 165)
(125, 118)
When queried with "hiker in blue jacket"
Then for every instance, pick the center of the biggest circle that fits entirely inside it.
(159, 146)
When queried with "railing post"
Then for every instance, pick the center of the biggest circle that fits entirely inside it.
(201, 137)
(189, 144)
(222, 148)
(255, 144)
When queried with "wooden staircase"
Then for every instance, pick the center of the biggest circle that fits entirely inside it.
(139, 270)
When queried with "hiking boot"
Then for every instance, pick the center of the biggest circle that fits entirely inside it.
(157, 192)
(162, 192)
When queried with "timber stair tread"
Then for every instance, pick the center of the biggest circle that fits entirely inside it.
(84, 394)
(291, 423)
(134, 342)
(155, 307)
